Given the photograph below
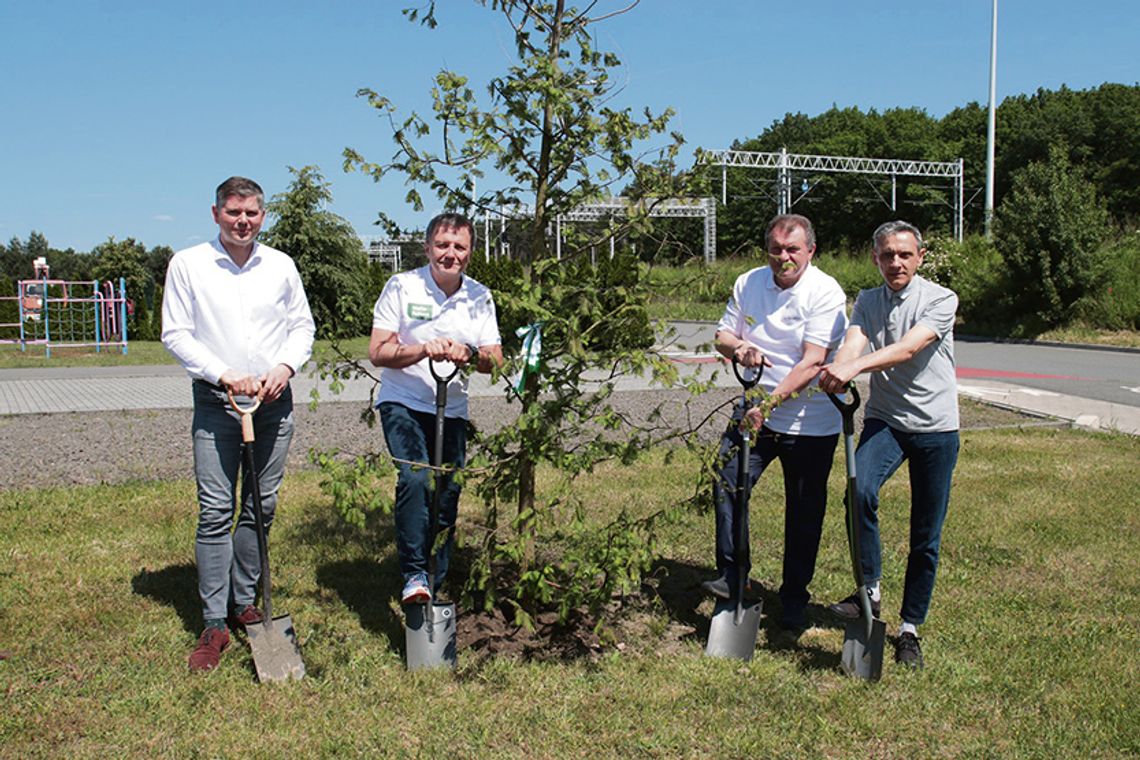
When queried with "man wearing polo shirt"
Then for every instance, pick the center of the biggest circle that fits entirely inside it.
(785, 318)
(911, 415)
(234, 314)
(434, 313)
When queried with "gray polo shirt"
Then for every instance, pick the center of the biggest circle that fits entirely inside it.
(921, 395)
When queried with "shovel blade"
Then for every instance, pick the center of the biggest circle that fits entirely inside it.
(863, 657)
(727, 638)
(275, 652)
(429, 635)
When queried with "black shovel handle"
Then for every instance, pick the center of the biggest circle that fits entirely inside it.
(251, 475)
(742, 550)
(441, 382)
(854, 535)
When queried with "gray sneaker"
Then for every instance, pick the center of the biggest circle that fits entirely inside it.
(720, 588)
(907, 651)
(850, 609)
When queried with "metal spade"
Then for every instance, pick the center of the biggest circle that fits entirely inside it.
(274, 640)
(863, 639)
(736, 623)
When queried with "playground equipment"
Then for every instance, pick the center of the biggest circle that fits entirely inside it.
(68, 314)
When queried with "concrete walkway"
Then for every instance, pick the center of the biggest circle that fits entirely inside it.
(101, 389)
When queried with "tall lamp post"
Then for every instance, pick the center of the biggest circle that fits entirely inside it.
(990, 127)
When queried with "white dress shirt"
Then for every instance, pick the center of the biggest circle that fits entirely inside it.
(217, 316)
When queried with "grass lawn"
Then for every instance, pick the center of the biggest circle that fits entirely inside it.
(1032, 647)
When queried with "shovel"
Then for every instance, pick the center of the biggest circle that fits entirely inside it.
(735, 624)
(273, 641)
(429, 628)
(863, 639)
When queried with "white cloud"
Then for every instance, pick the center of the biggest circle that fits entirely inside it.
(163, 218)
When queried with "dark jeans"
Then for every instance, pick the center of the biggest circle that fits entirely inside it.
(931, 458)
(806, 462)
(410, 436)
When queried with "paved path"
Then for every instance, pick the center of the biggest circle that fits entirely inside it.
(1092, 388)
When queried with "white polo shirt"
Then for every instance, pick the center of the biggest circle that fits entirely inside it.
(218, 316)
(779, 321)
(413, 306)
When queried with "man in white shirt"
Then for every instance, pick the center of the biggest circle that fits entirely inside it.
(434, 313)
(784, 318)
(234, 314)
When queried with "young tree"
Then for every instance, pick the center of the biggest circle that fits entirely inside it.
(329, 255)
(550, 130)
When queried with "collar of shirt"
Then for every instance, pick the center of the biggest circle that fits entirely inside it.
(771, 284)
(436, 292)
(224, 255)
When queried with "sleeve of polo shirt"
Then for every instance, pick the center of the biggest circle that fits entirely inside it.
(488, 328)
(386, 313)
(939, 313)
(178, 325)
(731, 320)
(827, 321)
(859, 313)
(300, 327)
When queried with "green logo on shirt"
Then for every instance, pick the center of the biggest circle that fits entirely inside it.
(419, 310)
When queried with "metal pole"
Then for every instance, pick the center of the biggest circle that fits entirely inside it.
(989, 208)
(558, 237)
(894, 206)
(724, 184)
(960, 207)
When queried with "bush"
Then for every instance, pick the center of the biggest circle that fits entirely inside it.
(1050, 228)
(1115, 304)
(975, 270)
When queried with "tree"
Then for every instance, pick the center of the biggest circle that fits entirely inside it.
(126, 259)
(549, 128)
(328, 254)
(1050, 228)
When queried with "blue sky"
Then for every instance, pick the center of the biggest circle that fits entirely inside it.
(120, 117)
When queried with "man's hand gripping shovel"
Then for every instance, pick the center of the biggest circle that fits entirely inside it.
(272, 641)
(864, 638)
(735, 624)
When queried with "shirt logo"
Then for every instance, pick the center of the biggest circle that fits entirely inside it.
(419, 310)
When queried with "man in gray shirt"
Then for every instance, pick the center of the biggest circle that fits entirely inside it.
(911, 415)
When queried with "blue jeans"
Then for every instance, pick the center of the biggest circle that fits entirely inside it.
(806, 462)
(229, 566)
(410, 436)
(931, 459)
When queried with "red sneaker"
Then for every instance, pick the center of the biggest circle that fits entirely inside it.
(247, 615)
(209, 651)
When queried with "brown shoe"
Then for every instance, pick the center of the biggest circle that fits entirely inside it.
(209, 651)
(247, 615)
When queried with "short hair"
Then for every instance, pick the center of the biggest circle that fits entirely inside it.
(242, 187)
(886, 229)
(451, 221)
(784, 221)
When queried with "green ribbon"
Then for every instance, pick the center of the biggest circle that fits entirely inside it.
(531, 352)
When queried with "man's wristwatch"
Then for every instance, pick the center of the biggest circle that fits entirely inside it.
(474, 352)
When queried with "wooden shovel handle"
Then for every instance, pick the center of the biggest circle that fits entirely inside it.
(246, 413)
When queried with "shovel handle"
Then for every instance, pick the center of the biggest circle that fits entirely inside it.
(847, 408)
(246, 413)
(748, 384)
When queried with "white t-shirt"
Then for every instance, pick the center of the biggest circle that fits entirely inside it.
(413, 306)
(779, 321)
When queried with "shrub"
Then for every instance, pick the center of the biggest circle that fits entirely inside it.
(975, 270)
(1115, 302)
(1050, 228)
